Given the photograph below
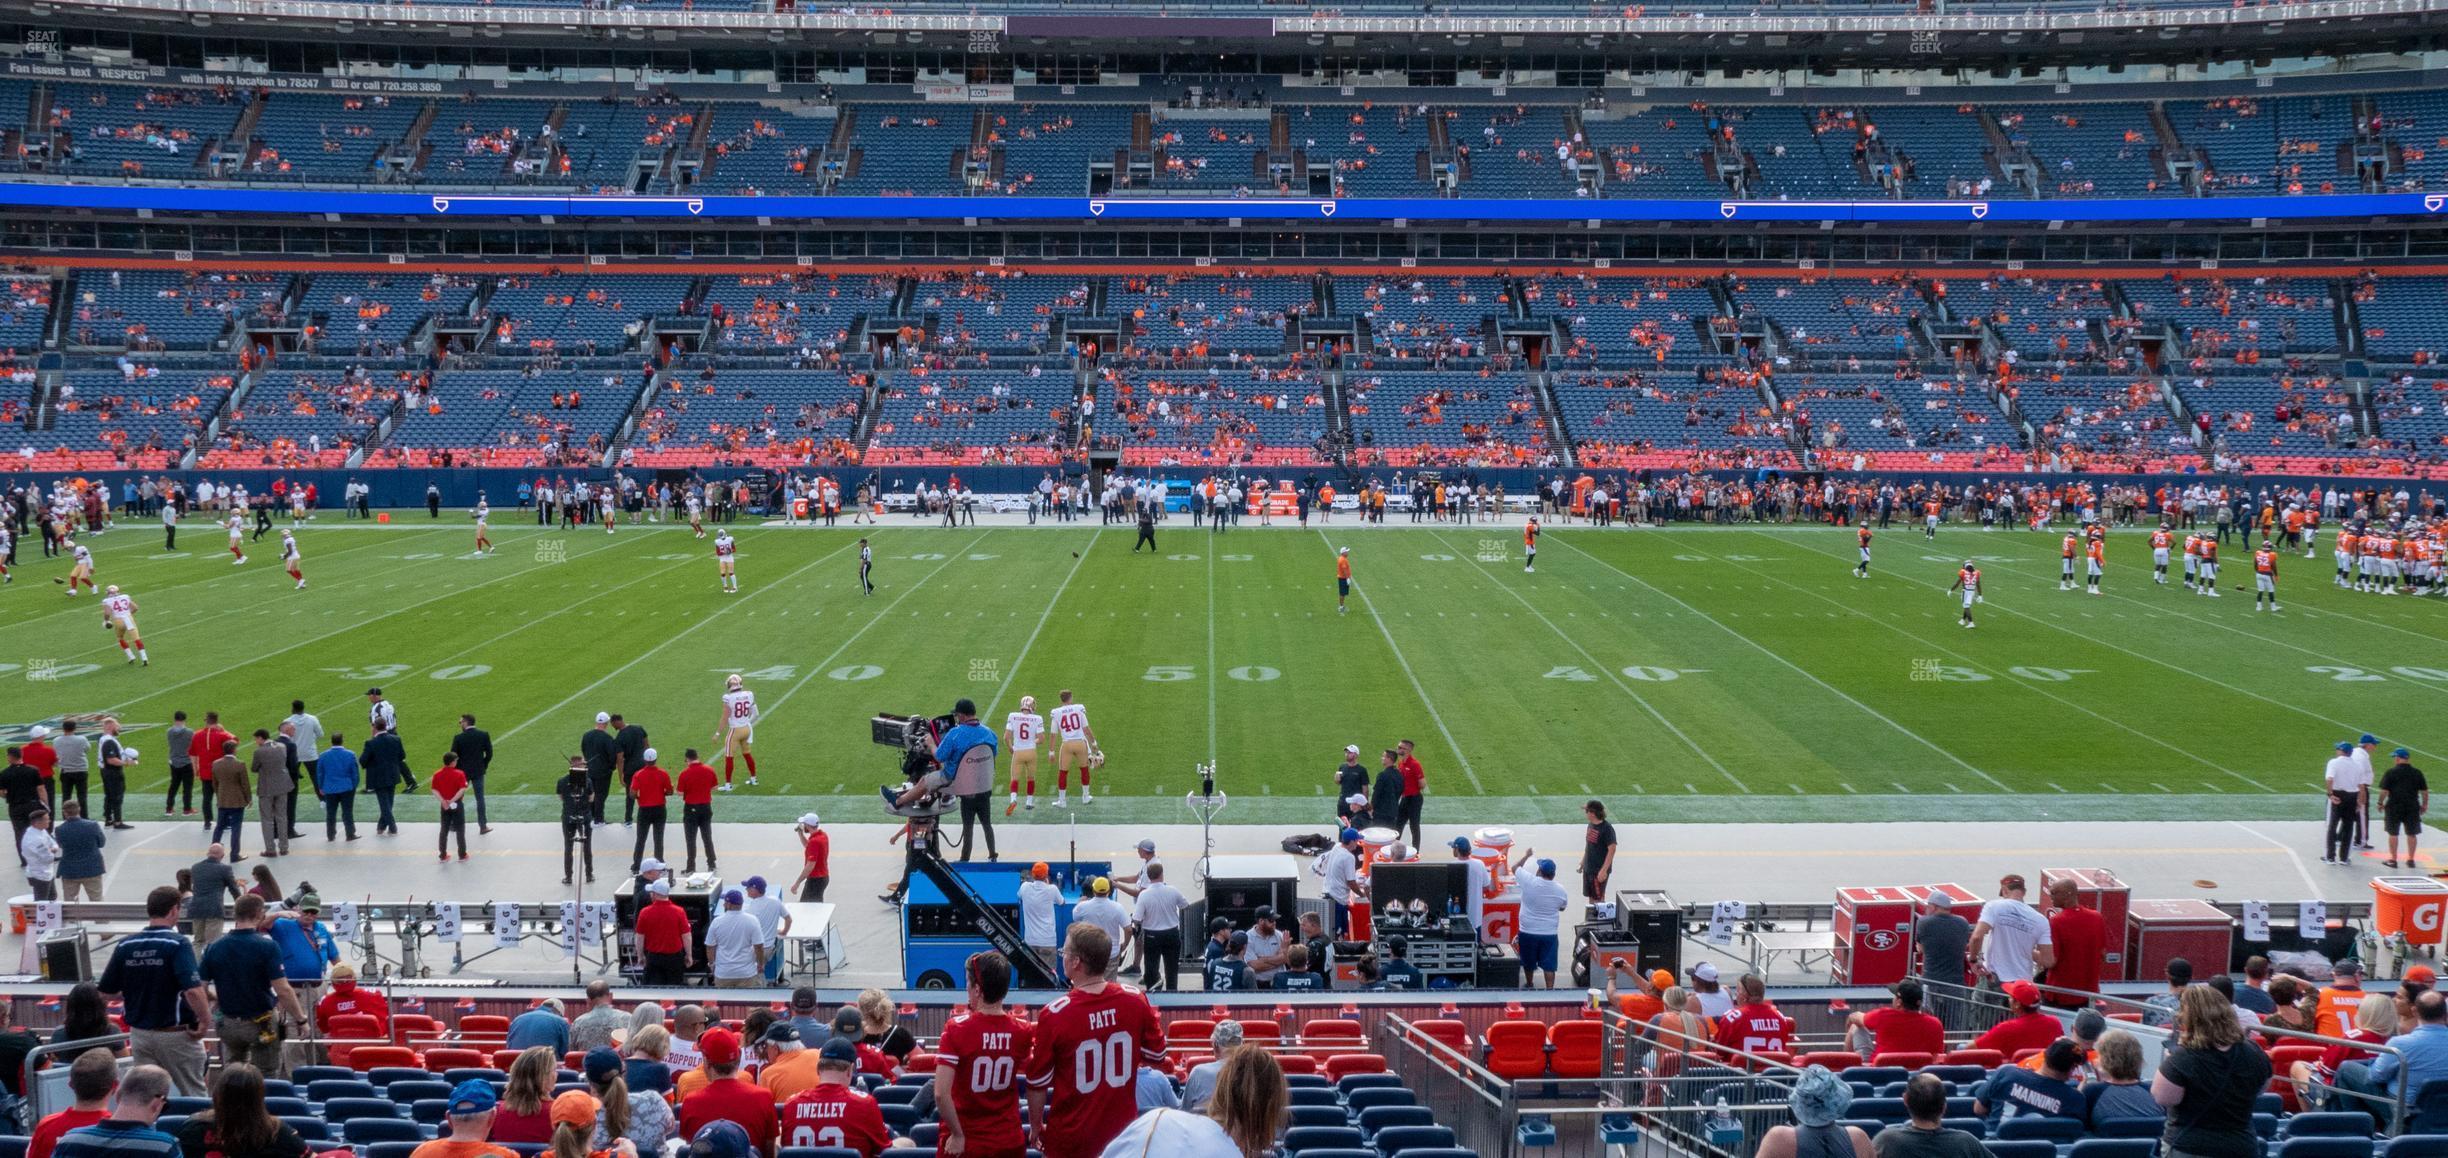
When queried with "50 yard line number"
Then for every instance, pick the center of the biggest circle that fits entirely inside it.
(1167, 673)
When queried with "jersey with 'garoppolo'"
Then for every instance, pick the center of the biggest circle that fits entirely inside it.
(1085, 1056)
(739, 708)
(1024, 727)
(1071, 720)
(834, 1115)
(984, 1052)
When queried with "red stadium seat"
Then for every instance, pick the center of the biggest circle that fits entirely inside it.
(1188, 1032)
(416, 1029)
(346, 1028)
(1194, 1061)
(1327, 1036)
(502, 1058)
(1838, 1060)
(2020, 1054)
(368, 1057)
(1297, 1063)
(1987, 1059)
(492, 1028)
(1580, 1048)
(1451, 1033)
(574, 1060)
(2126, 1015)
(1261, 1032)
(441, 1059)
(2282, 1059)
(1344, 1065)
(1517, 1049)
(1910, 1061)
(920, 1062)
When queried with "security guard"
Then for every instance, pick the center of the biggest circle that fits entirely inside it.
(577, 820)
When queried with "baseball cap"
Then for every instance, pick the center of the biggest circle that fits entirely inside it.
(650, 755)
(733, 898)
(473, 1096)
(1343, 551)
(846, 1021)
(2421, 974)
(2350, 967)
(1264, 913)
(651, 865)
(1147, 846)
(1941, 900)
(602, 1062)
(576, 1108)
(309, 903)
(720, 1046)
(807, 820)
(2024, 994)
(2402, 754)
(803, 997)
(1662, 979)
(1704, 971)
(373, 691)
(1218, 925)
(39, 732)
(780, 1031)
(1238, 941)
(600, 717)
(1353, 749)
(1100, 886)
(720, 1139)
(660, 888)
(2368, 738)
(1350, 835)
(1546, 866)
(1460, 844)
(838, 1052)
(1039, 871)
(2090, 1024)
(757, 883)
(2345, 746)
(2010, 881)
(1357, 800)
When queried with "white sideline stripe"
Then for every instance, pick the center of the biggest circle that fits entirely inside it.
(1798, 669)
(1481, 570)
(2185, 671)
(2027, 685)
(225, 573)
(1008, 676)
(2311, 887)
(1212, 674)
(906, 592)
(259, 658)
(725, 609)
(1413, 676)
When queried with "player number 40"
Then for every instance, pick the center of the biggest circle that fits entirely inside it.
(2356, 675)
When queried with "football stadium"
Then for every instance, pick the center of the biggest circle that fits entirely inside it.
(1075, 578)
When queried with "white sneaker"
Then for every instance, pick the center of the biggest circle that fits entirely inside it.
(1031, 806)
(1086, 797)
(722, 788)
(1061, 802)
(752, 782)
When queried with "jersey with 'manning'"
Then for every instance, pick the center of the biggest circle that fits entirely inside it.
(1072, 721)
(1024, 727)
(739, 708)
(985, 1052)
(1087, 1052)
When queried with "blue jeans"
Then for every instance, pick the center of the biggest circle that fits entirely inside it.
(232, 821)
(773, 961)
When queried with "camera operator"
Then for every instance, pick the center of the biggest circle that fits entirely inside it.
(965, 758)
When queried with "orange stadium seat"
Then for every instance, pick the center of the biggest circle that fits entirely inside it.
(369, 1057)
(502, 1058)
(1580, 1048)
(1448, 1032)
(1838, 1060)
(1344, 1065)
(1517, 1049)
(440, 1059)
(1987, 1059)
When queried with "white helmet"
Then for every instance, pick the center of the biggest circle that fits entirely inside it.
(1028, 703)
(113, 589)
(732, 682)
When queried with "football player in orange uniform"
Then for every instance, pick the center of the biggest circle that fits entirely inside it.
(1861, 570)
(2095, 557)
(2265, 577)
(2159, 554)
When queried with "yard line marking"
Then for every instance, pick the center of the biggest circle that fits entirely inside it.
(2291, 646)
(1413, 676)
(906, 592)
(1798, 669)
(1048, 613)
(1211, 660)
(2317, 612)
(1612, 675)
(1848, 788)
(2311, 887)
(718, 613)
(2189, 672)
(262, 656)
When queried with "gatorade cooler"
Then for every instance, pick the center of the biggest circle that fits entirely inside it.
(2414, 906)
(1873, 935)
(2098, 889)
(2157, 932)
(799, 508)
(1500, 912)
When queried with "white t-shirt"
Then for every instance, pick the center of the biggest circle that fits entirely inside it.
(2347, 776)
(1037, 901)
(1104, 913)
(768, 912)
(2015, 929)
(1338, 868)
(1160, 908)
(2363, 762)
(1542, 905)
(1475, 894)
(731, 939)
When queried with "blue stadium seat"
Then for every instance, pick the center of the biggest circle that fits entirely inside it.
(2265, 1126)
(183, 1106)
(1362, 1100)
(925, 1133)
(1878, 1109)
(391, 1149)
(896, 1095)
(2114, 1148)
(1316, 1096)
(473, 1073)
(1448, 1152)
(1334, 1153)
(899, 1118)
(416, 1091)
(1960, 1106)
(1377, 1118)
(2416, 1146)
(312, 1074)
(1395, 1140)
(367, 1131)
(1356, 1082)
(310, 1128)
(279, 1088)
(323, 1090)
(2040, 1129)
(1303, 1139)
(170, 1123)
(1956, 1075)
(1877, 1076)
(2135, 1127)
(2331, 1124)
(2268, 1104)
(1320, 1115)
(580, 1087)
(1299, 1082)
(818, 1152)
(383, 1076)
(2032, 1149)
(2330, 1147)
(287, 1106)
(430, 1111)
(2427, 1113)
(341, 1110)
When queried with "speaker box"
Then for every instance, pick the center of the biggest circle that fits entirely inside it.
(1499, 971)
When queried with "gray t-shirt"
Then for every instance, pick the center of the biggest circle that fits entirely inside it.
(1943, 938)
(72, 752)
(180, 738)
(308, 734)
(1903, 1141)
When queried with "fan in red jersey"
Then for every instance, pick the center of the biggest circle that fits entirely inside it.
(1089, 1046)
(833, 1112)
(977, 1068)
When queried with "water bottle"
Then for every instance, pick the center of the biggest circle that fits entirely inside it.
(1724, 1133)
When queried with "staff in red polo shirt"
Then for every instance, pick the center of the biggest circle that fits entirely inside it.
(727, 1096)
(696, 810)
(663, 934)
(651, 787)
(42, 757)
(450, 787)
(816, 864)
(1415, 788)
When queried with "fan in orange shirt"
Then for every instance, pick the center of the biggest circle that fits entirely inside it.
(1342, 580)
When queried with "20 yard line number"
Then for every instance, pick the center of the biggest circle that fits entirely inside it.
(2356, 675)
(1171, 673)
(1646, 673)
(385, 672)
(786, 672)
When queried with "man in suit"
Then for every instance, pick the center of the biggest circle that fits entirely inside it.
(630, 741)
(269, 764)
(386, 770)
(474, 748)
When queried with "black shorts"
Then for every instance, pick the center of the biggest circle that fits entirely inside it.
(2403, 823)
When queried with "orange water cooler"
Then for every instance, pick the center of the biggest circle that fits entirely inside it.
(2414, 906)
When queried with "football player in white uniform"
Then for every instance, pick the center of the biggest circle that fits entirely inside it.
(291, 560)
(726, 562)
(1078, 748)
(236, 525)
(1021, 730)
(119, 614)
(484, 521)
(696, 513)
(738, 729)
(80, 569)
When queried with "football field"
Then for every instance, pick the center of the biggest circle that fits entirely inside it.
(1683, 674)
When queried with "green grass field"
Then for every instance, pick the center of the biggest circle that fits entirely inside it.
(1695, 674)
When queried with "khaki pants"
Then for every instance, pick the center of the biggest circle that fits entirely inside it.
(174, 1051)
(242, 1041)
(749, 982)
(90, 886)
(205, 930)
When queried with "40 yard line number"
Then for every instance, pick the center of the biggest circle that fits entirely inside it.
(1170, 673)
